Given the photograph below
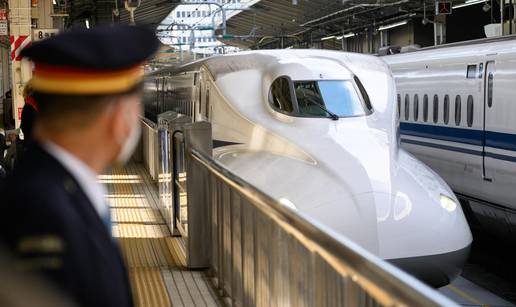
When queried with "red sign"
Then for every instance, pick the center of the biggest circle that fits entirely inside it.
(3, 14)
(444, 8)
(19, 113)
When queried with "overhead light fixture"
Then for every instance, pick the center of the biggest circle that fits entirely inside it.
(468, 3)
(394, 25)
(327, 37)
(54, 2)
(87, 22)
(351, 34)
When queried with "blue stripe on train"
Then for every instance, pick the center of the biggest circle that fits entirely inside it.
(458, 135)
(497, 140)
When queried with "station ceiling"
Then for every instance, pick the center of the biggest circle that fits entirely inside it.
(270, 21)
(149, 13)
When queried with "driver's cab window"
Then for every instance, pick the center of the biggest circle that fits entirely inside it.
(309, 99)
(280, 96)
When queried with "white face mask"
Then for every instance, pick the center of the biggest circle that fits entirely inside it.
(129, 144)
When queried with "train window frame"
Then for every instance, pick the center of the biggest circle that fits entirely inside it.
(458, 110)
(416, 107)
(470, 109)
(471, 71)
(425, 108)
(446, 109)
(407, 107)
(364, 100)
(363, 93)
(435, 109)
(293, 103)
(490, 85)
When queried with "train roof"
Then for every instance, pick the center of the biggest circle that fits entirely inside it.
(460, 50)
(258, 59)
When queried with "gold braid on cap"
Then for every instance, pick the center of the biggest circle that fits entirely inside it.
(73, 81)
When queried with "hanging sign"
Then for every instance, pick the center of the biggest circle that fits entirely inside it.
(39, 34)
(4, 29)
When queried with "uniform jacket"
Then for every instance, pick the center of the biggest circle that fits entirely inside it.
(51, 227)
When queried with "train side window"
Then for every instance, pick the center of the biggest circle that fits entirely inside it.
(458, 106)
(446, 110)
(280, 96)
(436, 109)
(195, 76)
(472, 72)
(425, 108)
(399, 106)
(490, 90)
(470, 110)
(416, 107)
(407, 106)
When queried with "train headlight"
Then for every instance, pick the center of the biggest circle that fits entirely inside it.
(448, 203)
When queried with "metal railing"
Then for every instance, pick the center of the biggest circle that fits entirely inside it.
(261, 253)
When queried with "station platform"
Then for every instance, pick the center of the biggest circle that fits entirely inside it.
(155, 259)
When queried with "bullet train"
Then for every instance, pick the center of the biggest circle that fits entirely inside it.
(457, 110)
(317, 130)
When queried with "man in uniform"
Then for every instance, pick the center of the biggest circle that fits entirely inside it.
(54, 219)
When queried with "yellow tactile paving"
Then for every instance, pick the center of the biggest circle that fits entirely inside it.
(156, 260)
(148, 287)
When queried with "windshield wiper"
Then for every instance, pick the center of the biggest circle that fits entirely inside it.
(332, 115)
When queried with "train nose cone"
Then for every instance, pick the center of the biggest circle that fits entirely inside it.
(435, 270)
(423, 235)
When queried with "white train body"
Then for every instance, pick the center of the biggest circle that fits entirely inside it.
(348, 174)
(470, 141)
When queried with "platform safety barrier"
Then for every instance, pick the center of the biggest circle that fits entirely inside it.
(262, 253)
(150, 147)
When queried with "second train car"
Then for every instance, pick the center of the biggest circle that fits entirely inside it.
(457, 109)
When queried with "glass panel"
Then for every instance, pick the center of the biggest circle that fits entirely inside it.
(407, 107)
(490, 90)
(472, 72)
(399, 106)
(436, 109)
(280, 97)
(425, 108)
(457, 110)
(446, 110)
(338, 97)
(470, 110)
(416, 107)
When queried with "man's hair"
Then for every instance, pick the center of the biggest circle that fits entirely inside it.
(58, 111)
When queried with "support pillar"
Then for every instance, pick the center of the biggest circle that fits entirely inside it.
(440, 30)
(20, 37)
(5, 82)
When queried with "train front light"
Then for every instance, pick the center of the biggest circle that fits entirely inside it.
(448, 203)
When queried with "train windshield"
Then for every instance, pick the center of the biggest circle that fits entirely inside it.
(328, 99)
